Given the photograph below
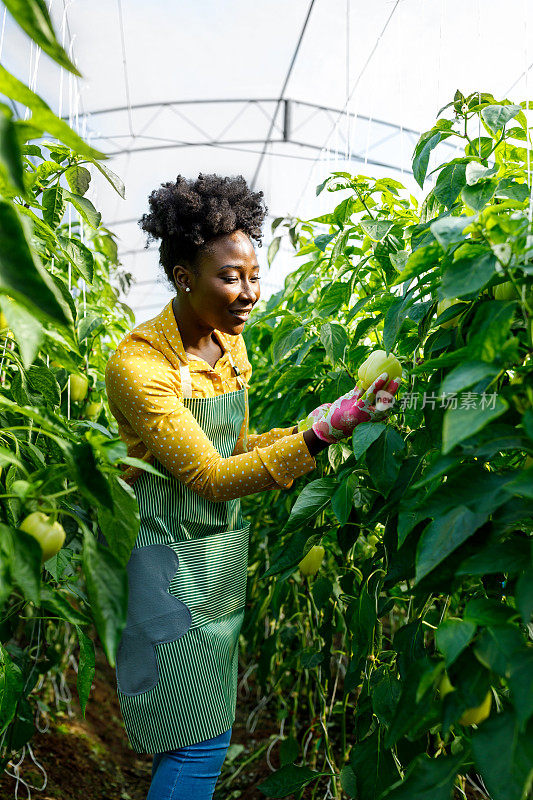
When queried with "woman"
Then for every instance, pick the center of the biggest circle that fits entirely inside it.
(177, 386)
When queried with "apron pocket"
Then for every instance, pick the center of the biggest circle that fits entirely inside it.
(155, 616)
(211, 580)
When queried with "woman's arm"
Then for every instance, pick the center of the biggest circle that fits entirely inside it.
(142, 385)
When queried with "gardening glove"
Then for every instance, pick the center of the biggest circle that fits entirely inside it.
(313, 416)
(355, 407)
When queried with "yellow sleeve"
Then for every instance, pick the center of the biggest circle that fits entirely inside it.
(143, 388)
(248, 441)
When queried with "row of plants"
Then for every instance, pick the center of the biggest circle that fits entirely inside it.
(399, 657)
(67, 520)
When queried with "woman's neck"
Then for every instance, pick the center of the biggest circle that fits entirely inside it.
(196, 339)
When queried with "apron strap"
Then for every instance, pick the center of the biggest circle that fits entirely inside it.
(186, 386)
(185, 375)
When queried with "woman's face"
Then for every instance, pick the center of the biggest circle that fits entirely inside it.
(228, 282)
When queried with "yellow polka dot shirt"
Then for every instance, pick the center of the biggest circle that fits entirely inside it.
(144, 392)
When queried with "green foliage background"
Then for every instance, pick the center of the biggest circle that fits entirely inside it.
(427, 518)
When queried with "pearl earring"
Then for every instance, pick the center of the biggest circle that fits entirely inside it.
(187, 289)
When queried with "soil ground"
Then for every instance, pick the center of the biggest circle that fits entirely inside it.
(91, 759)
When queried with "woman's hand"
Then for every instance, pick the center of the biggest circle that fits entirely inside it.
(312, 417)
(334, 421)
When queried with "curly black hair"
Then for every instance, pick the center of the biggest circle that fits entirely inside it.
(188, 214)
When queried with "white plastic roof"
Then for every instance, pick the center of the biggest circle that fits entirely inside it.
(387, 61)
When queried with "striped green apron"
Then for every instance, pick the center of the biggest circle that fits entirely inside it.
(177, 661)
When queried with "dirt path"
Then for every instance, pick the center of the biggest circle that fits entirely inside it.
(90, 759)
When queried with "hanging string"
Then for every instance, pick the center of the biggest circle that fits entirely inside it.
(348, 147)
(368, 128)
(61, 70)
(3, 32)
(354, 87)
(27, 111)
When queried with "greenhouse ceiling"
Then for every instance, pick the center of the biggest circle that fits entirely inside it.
(282, 93)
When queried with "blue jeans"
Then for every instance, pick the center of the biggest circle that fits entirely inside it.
(189, 773)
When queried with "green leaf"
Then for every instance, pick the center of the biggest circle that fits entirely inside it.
(55, 601)
(451, 180)
(492, 325)
(110, 176)
(377, 229)
(396, 314)
(341, 502)
(335, 340)
(78, 178)
(448, 230)
(10, 155)
(477, 172)
(444, 535)
(384, 459)
(364, 435)
(348, 781)
(120, 526)
(273, 249)
(508, 557)
(422, 152)
(399, 259)
(427, 779)
(521, 484)
(476, 197)
(374, 767)
(21, 275)
(496, 116)
(26, 564)
(36, 387)
(311, 501)
(468, 275)
(91, 481)
(323, 240)
(460, 423)
(286, 336)
(497, 646)
(385, 693)
(521, 684)
(333, 297)
(467, 374)
(53, 206)
(484, 611)
(27, 330)
(504, 756)
(43, 117)
(79, 255)
(322, 591)
(144, 465)
(291, 552)
(287, 780)
(33, 17)
(288, 751)
(88, 325)
(85, 208)
(507, 187)
(11, 686)
(452, 636)
(86, 667)
(107, 587)
(524, 595)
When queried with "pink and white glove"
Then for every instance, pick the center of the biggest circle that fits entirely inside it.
(312, 417)
(334, 421)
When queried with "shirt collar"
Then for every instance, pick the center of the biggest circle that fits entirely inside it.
(169, 327)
